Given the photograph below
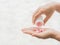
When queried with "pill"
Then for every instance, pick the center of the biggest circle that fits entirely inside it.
(38, 30)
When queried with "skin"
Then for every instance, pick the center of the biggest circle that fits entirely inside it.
(48, 33)
(48, 10)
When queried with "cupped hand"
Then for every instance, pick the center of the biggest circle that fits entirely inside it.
(46, 32)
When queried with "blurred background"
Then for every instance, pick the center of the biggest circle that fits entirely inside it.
(17, 14)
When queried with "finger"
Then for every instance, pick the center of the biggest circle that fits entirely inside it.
(46, 19)
(48, 14)
(36, 35)
(30, 32)
(30, 28)
(40, 35)
(36, 15)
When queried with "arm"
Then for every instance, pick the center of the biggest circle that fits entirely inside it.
(57, 7)
(56, 35)
(47, 33)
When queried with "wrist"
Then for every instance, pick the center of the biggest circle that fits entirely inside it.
(57, 7)
(56, 35)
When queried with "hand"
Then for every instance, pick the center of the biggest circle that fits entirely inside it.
(48, 10)
(47, 33)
